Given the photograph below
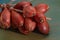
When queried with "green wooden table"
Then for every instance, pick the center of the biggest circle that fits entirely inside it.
(54, 13)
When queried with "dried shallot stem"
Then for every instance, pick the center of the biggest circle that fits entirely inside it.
(48, 18)
(11, 1)
(16, 9)
(28, 0)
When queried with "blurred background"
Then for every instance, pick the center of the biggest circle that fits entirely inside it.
(54, 13)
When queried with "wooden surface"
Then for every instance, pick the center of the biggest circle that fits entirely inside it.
(54, 13)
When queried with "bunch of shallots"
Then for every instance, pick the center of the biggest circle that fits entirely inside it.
(24, 17)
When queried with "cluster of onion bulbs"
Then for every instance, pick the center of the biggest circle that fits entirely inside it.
(25, 17)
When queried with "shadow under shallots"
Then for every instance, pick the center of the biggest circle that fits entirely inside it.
(14, 30)
(17, 31)
(35, 31)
